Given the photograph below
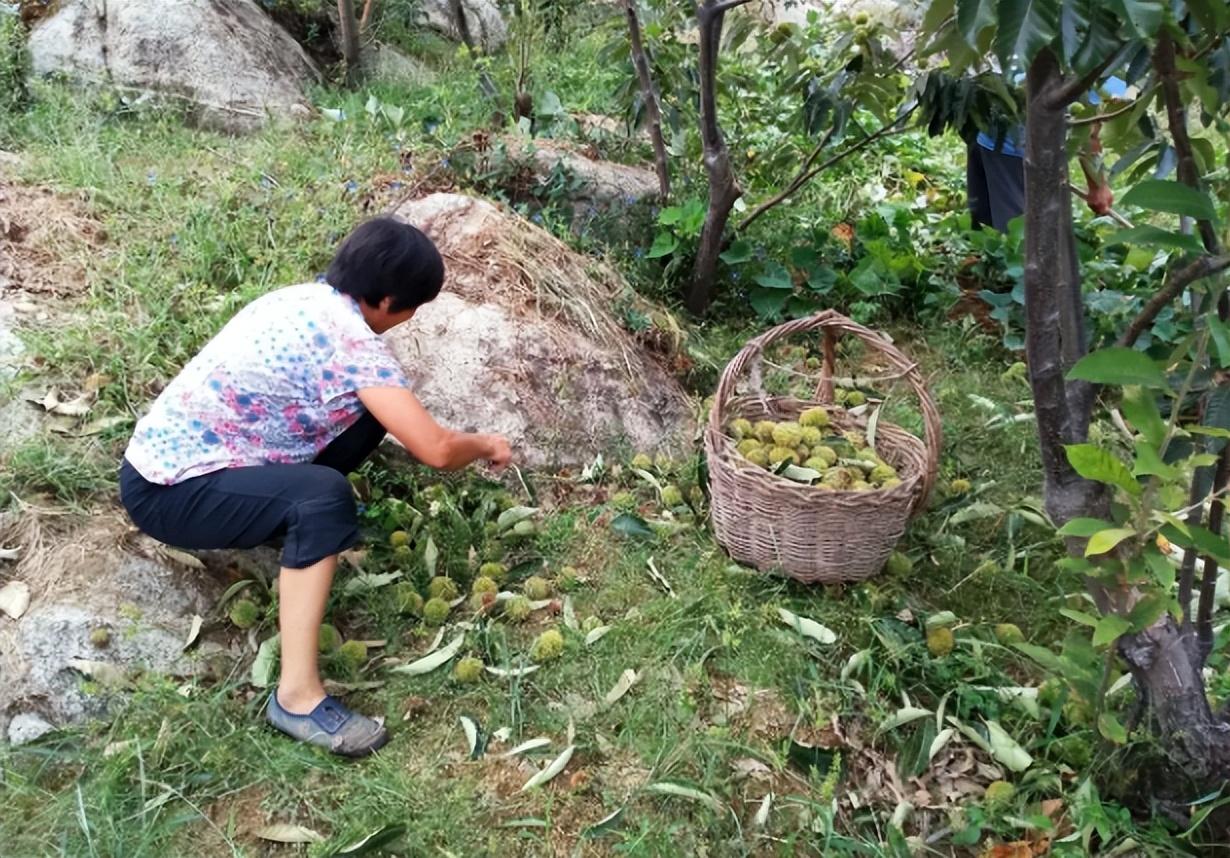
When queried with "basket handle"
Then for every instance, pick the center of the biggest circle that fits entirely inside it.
(833, 325)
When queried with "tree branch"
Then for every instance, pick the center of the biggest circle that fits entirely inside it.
(1208, 583)
(1072, 89)
(641, 62)
(723, 8)
(1176, 115)
(1177, 282)
(805, 174)
(1115, 114)
(366, 16)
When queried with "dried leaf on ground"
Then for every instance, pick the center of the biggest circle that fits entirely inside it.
(15, 598)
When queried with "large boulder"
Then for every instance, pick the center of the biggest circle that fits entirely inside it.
(89, 580)
(226, 59)
(596, 183)
(483, 20)
(524, 342)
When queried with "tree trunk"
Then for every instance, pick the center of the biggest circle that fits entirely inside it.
(1052, 297)
(723, 190)
(349, 38)
(641, 62)
(1162, 660)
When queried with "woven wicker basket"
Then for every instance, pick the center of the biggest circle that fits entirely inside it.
(805, 532)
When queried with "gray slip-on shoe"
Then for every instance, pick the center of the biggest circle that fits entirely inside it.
(331, 726)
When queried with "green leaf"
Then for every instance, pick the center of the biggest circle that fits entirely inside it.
(1147, 611)
(664, 244)
(1140, 408)
(1109, 628)
(1085, 619)
(670, 215)
(1083, 527)
(1111, 729)
(1149, 464)
(1221, 339)
(1173, 197)
(1118, 365)
(1025, 28)
(1094, 463)
(1144, 16)
(1043, 656)
(265, 666)
(775, 276)
(974, 16)
(627, 524)
(1161, 567)
(1105, 540)
(1152, 236)
(739, 251)
(768, 303)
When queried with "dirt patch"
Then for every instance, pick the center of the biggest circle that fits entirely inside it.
(43, 238)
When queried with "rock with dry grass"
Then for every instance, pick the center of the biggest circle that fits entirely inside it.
(227, 61)
(526, 341)
(85, 575)
(483, 21)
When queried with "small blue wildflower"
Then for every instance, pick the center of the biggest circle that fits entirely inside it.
(320, 278)
(352, 186)
(639, 252)
(175, 240)
(265, 183)
(395, 186)
(151, 178)
(536, 217)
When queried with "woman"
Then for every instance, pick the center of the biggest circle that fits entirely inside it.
(253, 440)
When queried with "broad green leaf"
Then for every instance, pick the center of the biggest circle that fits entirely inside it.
(1005, 749)
(664, 244)
(374, 841)
(1161, 567)
(1085, 527)
(974, 16)
(739, 251)
(1109, 628)
(1147, 611)
(1173, 197)
(1120, 366)
(265, 667)
(1220, 334)
(1025, 28)
(1043, 656)
(775, 276)
(1085, 619)
(1144, 16)
(1152, 236)
(1094, 463)
(976, 511)
(768, 303)
(627, 524)
(670, 215)
(1111, 729)
(1149, 464)
(684, 791)
(1140, 409)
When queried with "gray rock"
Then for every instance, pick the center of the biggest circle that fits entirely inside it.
(556, 374)
(486, 25)
(146, 605)
(226, 58)
(26, 727)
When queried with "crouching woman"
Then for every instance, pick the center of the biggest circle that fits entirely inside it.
(252, 441)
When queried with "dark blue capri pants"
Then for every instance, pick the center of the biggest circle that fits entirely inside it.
(309, 507)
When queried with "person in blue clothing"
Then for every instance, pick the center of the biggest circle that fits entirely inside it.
(995, 170)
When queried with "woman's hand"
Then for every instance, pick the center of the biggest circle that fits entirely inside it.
(500, 453)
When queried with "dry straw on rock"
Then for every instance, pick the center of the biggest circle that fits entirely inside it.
(802, 531)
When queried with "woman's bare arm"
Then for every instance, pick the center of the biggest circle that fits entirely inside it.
(404, 417)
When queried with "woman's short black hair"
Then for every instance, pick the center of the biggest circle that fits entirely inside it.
(385, 258)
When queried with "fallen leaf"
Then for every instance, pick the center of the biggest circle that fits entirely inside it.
(512, 672)
(554, 768)
(107, 674)
(1005, 749)
(265, 665)
(683, 791)
(596, 635)
(15, 598)
(378, 838)
(428, 663)
(627, 679)
(527, 746)
(194, 632)
(807, 628)
(287, 833)
(183, 558)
